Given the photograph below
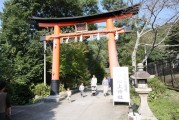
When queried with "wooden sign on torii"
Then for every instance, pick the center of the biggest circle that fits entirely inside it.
(110, 30)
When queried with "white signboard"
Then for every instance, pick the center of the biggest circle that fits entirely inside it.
(120, 84)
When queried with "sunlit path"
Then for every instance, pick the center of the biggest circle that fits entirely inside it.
(82, 108)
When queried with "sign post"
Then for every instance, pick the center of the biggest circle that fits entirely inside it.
(121, 85)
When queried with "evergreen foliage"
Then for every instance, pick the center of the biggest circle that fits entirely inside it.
(174, 38)
(22, 52)
(158, 89)
(41, 90)
(98, 58)
(74, 65)
(113, 4)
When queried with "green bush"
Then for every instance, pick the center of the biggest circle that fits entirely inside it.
(21, 94)
(133, 93)
(62, 88)
(158, 89)
(41, 90)
(135, 99)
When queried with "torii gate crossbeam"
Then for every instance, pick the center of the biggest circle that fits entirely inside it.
(57, 23)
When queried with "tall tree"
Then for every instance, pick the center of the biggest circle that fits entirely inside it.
(74, 69)
(173, 40)
(150, 19)
(22, 52)
(98, 57)
(15, 35)
(113, 4)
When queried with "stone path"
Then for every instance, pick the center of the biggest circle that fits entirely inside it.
(81, 108)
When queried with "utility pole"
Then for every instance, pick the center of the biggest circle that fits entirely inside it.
(45, 46)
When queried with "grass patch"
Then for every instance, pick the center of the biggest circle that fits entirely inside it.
(163, 102)
(167, 107)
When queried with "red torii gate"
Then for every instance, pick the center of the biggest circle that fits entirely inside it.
(110, 30)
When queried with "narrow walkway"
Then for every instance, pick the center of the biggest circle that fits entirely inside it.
(82, 108)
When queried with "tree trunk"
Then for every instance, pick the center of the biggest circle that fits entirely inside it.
(135, 51)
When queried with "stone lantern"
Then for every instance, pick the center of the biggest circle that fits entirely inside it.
(142, 89)
(141, 77)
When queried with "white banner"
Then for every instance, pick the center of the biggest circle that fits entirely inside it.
(121, 84)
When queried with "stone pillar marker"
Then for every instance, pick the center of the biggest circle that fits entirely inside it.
(142, 89)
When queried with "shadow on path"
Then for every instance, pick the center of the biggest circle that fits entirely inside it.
(89, 107)
(39, 111)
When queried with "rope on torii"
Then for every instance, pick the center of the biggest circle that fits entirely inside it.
(82, 34)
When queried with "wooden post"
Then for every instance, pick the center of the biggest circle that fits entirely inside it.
(113, 58)
(55, 63)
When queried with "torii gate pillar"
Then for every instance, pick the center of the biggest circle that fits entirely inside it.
(112, 51)
(55, 63)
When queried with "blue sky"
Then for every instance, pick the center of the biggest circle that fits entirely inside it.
(163, 15)
(1, 4)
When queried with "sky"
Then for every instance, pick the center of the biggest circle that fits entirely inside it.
(1, 5)
(163, 15)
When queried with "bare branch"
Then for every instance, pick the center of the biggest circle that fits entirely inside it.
(145, 32)
(166, 34)
(152, 11)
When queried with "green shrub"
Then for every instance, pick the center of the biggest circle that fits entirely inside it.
(62, 88)
(135, 99)
(158, 88)
(41, 90)
(133, 93)
(21, 94)
(36, 100)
